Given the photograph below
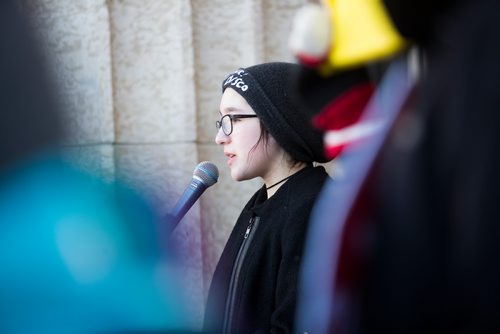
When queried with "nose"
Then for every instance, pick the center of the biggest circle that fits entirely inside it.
(221, 138)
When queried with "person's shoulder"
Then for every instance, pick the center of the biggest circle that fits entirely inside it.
(308, 187)
(303, 194)
(255, 198)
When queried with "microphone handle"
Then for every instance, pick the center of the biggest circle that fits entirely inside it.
(188, 198)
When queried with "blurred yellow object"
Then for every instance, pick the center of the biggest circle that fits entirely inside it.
(361, 32)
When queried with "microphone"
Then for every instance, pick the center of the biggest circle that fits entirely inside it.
(205, 175)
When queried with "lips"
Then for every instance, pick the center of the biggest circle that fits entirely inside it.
(230, 158)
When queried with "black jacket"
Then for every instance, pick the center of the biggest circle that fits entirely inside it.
(265, 289)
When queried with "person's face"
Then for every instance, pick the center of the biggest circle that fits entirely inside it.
(245, 159)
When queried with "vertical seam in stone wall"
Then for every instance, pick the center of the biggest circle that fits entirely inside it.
(189, 8)
(195, 76)
(262, 30)
(187, 12)
(197, 143)
(112, 67)
(112, 74)
(257, 17)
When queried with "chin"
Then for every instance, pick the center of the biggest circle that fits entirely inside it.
(239, 177)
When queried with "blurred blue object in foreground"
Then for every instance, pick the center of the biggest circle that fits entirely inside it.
(77, 255)
(80, 256)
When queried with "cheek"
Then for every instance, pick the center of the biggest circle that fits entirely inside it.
(269, 148)
(265, 152)
(272, 146)
(250, 138)
(250, 142)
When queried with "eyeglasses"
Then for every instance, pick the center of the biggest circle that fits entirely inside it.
(226, 122)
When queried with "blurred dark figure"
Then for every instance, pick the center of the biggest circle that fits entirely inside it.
(436, 184)
(410, 232)
(77, 255)
(29, 121)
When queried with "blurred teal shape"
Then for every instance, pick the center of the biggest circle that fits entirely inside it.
(79, 255)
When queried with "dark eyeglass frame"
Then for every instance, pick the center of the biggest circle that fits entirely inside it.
(232, 117)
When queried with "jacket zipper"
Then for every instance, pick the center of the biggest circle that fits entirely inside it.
(247, 238)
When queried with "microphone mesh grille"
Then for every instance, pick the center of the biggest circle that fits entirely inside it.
(208, 172)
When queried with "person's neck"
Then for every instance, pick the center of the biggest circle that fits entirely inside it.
(277, 180)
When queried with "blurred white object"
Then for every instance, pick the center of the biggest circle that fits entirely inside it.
(310, 37)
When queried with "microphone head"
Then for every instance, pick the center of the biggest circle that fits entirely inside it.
(207, 172)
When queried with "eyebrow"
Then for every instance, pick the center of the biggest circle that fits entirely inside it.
(230, 109)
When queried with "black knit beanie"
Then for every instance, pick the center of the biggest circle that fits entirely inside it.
(267, 88)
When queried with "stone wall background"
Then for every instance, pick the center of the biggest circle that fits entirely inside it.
(140, 85)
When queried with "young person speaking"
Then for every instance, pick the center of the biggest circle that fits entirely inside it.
(264, 134)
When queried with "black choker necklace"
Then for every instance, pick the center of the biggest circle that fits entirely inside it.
(286, 178)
